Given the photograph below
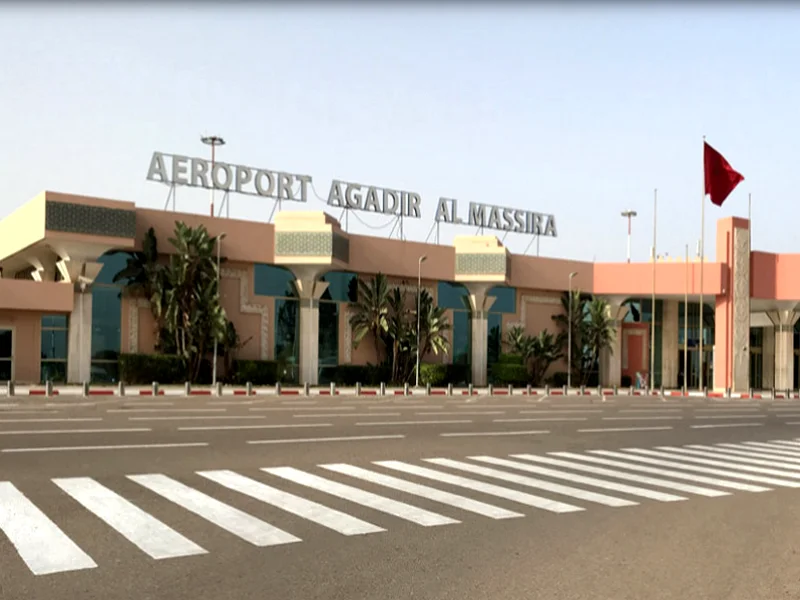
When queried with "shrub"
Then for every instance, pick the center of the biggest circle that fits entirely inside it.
(558, 379)
(142, 369)
(435, 374)
(257, 372)
(349, 375)
(509, 374)
(510, 359)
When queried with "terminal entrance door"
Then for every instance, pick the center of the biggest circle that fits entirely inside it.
(6, 354)
(694, 368)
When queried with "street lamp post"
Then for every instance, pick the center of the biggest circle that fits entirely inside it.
(629, 214)
(213, 141)
(569, 333)
(220, 237)
(422, 259)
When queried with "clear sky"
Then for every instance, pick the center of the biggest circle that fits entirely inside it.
(579, 112)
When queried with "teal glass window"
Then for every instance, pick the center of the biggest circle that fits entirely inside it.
(462, 335)
(112, 264)
(106, 333)
(494, 337)
(452, 295)
(54, 344)
(270, 280)
(54, 348)
(287, 329)
(505, 299)
(328, 340)
(342, 287)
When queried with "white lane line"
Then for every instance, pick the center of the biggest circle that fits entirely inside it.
(54, 431)
(233, 520)
(726, 425)
(67, 420)
(739, 450)
(791, 422)
(150, 535)
(200, 418)
(461, 413)
(306, 509)
(493, 433)
(652, 411)
(791, 443)
(239, 427)
(139, 403)
(747, 416)
(532, 482)
(540, 411)
(479, 486)
(671, 485)
(621, 429)
(353, 438)
(401, 510)
(729, 409)
(643, 418)
(301, 408)
(399, 407)
(734, 485)
(29, 412)
(166, 410)
(451, 422)
(232, 403)
(117, 447)
(344, 415)
(41, 545)
(537, 419)
(417, 489)
(581, 479)
(685, 462)
(298, 402)
(721, 455)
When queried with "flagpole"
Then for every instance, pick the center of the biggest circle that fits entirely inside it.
(702, 263)
(686, 328)
(653, 301)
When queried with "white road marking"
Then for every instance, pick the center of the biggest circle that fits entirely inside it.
(643, 418)
(773, 448)
(726, 425)
(461, 413)
(233, 520)
(481, 508)
(479, 486)
(734, 485)
(580, 479)
(492, 433)
(451, 422)
(747, 416)
(653, 411)
(401, 510)
(672, 485)
(540, 411)
(150, 535)
(537, 419)
(621, 429)
(54, 431)
(200, 418)
(301, 408)
(740, 450)
(117, 447)
(353, 438)
(678, 462)
(43, 547)
(556, 488)
(763, 461)
(67, 420)
(238, 427)
(792, 444)
(306, 509)
(324, 416)
(166, 410)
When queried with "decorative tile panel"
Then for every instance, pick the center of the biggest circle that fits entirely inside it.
(481, 264)
(297, 243)
(91, 220)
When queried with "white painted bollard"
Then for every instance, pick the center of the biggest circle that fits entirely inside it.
(248, 388)
(449, 389)
(10, 388)
(333, 389)
(187, 388)
(564, 390)
(510, 390)
(614, 390)
(306, 389)
(405, 389)
(278, 388)
(121, 389)
(427, 389)
(491, 390)
(48, 388)
(582, 390)
(155, 388)
(528, 389)
(85, 389)
(358, 388)
(219, 389)
(469, 390)
(383, 389)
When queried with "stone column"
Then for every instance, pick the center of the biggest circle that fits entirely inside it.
(79, 357)
(669, 344)
(480, 303)
(611, 358)
(784, 321)
(768, 358)
(309, 290)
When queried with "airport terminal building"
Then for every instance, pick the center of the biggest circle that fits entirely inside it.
(62, 317)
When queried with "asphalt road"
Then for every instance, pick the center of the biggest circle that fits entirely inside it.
(438, 498)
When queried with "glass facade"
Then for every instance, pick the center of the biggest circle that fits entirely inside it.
(278, 282)
(692, 334)
(756, 357)
(342, 287)
(641, 311)
(6, 354)
(54, 348)
(454, 296)
(107, 319)
(505, 303)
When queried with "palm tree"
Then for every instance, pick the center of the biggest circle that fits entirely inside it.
(542, 351)
(578, 320)
(599, 329)
(433, 324)
(371, 312)
(518, 341)
(144, 277)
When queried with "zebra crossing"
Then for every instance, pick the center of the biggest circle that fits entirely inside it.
(483, 487)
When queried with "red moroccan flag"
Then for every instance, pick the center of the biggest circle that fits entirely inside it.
(721, 178)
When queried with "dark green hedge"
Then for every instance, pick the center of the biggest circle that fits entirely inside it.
(143, 369)
(349, 375)
(257, 372)
(440, 375)
(509, 374)
(510, 359)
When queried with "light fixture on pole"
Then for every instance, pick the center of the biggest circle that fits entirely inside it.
(220, 237)
(629, 214)
(569, 333)
(213, 141)
(422, 259)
